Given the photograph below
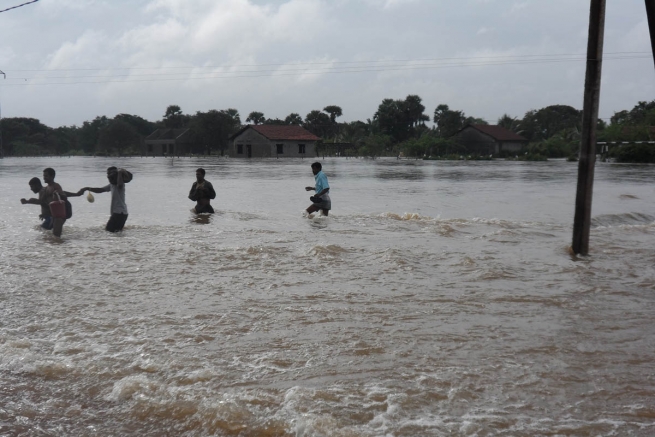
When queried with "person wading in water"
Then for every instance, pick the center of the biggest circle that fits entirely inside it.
(202, 192)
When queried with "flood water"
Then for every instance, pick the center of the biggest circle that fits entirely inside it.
(437, 299)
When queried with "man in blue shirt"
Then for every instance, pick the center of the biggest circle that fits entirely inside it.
(321, 200)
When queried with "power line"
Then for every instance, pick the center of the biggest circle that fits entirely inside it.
(19, 6)
(470, 58)
(326, 69)
(297, 72)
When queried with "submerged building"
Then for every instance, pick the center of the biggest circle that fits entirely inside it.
(489, 139)
(272, 141)
(168, 142)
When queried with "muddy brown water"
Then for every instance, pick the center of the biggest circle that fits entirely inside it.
(439, 298)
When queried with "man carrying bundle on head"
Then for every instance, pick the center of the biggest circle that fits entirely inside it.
(117, 178)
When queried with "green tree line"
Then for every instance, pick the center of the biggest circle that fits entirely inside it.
(398, 126)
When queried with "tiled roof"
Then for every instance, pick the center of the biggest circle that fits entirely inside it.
(281, 132)
(499, 133)
(167, 134)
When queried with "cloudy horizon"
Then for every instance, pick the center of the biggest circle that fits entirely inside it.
(68, 61)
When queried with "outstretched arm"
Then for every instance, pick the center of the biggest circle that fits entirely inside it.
(94, 190)
(31, 201)
(69, 194)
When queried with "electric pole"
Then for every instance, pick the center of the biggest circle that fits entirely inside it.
(582, 220)
(2, 153)
(650, 12)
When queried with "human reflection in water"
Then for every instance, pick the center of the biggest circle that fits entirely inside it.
(202, 192)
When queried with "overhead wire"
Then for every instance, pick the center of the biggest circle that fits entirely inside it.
(511, 57)
(19, 6)
(304, 69)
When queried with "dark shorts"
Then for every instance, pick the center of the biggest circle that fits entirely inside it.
(325, 204)
(47, 223)
(204, 209)
(116, 222)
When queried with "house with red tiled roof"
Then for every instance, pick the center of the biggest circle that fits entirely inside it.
(272, 141)
(489, 139)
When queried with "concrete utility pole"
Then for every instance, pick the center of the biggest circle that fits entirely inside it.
(650, 12)
(582, 221)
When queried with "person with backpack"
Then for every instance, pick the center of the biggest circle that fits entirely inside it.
(117, 178)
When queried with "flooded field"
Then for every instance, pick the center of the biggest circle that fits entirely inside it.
(439, 298)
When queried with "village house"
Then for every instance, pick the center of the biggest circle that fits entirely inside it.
(272, 141)
(489, 139)
(168, 142)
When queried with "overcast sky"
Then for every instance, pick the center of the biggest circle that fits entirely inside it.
(485, 57)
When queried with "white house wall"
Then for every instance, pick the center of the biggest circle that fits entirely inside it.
(262, 147)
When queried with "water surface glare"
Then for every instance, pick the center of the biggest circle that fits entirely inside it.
(437, 299)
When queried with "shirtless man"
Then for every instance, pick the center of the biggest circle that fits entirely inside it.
(49, 195)
(37, 188)
(46, 216)
(202, 192)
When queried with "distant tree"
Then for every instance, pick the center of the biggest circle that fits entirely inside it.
(89, 133)
(393, 120)
(119, 136)
(318, 123)
(415, 110)
(212, 129)
(448, 122)
(621, 117)
(508, 122)
(334, 112)
(276, 121)
(643, 113)
(400, 119)
(234, 114)
(355, 132)
(140, 124)
(293, 119)
(27, 136)
(256, 118)
(65, 139)
(174, 118)
(538, 125)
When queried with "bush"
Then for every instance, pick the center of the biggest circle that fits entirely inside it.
(634, 153)
(555, 147)
(21, 148)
